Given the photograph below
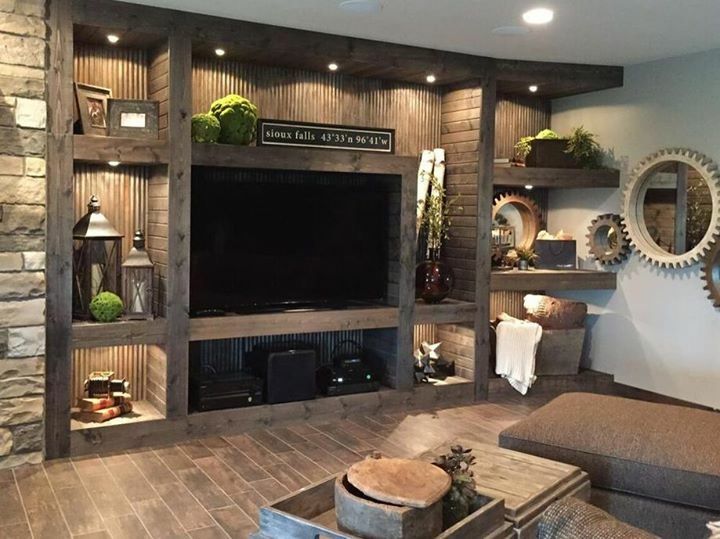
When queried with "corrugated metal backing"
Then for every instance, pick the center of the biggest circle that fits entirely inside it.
(226, 355)
(287, 94)
(126, 361)
(122, 192)
(124, 71)
(507, 301)
(517, 117)
(424, 332)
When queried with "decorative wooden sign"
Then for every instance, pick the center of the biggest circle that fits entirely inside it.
(334, 137)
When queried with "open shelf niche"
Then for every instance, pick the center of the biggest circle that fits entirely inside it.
(143, 366)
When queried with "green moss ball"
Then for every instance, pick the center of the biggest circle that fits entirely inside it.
(205, 127)
(106, 307)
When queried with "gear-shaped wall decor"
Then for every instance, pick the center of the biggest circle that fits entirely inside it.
(607, 239)
(529, 213)
(633, 210)
(711, 273)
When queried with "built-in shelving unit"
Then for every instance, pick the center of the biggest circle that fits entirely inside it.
(536, 279)
(556, 178)
(168, 57)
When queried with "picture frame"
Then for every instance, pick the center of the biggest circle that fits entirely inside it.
(134, 118)
(91, 102)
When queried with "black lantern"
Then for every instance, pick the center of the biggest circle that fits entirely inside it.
(138, 281)
(96, 259)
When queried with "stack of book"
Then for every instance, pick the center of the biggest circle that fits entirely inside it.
(101, 409)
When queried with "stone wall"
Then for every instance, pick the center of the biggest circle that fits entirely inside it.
(22, 229)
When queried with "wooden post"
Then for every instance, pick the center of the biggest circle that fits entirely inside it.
(486, 159)
(179, 172)
(681, 209)
(408, 250)
(59, 197)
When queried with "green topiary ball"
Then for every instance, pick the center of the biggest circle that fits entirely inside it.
(106, 307)
(238, 119)
(205, 128)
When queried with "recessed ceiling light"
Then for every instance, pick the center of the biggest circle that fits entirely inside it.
(219, 52)
(511, 30)
(533, 88)
(113, 38)
(529, 187)
(361, 6)
(332, 66)
(114, 163)
(431, 78)
(538, 15)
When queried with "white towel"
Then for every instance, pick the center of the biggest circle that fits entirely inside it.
(517, 343)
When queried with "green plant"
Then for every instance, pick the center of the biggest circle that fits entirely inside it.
(524, 145)
(436, 218)
(526, 254)
(205, 128)
(106, 307)
(584, 148)
(462, 498)
(238, 119)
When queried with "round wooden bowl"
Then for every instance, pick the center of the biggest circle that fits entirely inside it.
(370, 519)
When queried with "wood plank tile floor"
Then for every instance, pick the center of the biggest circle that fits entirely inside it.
(212, 488)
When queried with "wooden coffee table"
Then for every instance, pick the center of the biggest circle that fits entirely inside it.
(528, 484)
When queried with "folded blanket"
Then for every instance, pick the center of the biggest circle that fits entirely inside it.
(517, 343)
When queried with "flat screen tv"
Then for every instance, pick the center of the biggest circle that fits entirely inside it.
(272, 240)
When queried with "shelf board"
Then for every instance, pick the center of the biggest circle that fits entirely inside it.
(142, 411)
(552, 280)
(565, 178)
(319, 160)
(129, 151)
(448, 311)
(307, 321)
(95, 334)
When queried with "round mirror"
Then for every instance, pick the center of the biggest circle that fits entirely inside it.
(607, 239)
(672, 207)
(516, 221)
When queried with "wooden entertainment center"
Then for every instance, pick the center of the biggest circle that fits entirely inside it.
(476, 110)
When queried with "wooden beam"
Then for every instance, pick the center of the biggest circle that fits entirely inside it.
(91, 334)
(129, 151)
(179, 173)
(556, 178)
(681, 209)
(449, 311)
(58, 310)
(320, 160)
(408, 250)
(553, 280)
(486, 157)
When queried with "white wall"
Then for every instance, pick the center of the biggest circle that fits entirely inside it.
(657, 331)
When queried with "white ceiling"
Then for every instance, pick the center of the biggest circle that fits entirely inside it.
(616, 32)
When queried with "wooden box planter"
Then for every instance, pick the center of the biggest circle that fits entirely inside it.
(310, 513)
(550, 154)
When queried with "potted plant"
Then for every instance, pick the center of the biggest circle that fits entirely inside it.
(525, 257)
(548, 150)
(434, 279)
(462, 498)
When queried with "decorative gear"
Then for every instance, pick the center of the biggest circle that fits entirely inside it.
(633, 211)
(711, 273)
(529, 213)
(607, 239)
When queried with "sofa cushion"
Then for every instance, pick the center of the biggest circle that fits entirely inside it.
(656, 450)
(571, 518)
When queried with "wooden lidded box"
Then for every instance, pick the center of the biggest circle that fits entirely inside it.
(550, 153)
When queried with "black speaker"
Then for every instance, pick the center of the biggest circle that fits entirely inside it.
(288, 372)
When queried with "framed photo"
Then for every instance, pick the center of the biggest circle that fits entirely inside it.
(91, 104)
(133, 118)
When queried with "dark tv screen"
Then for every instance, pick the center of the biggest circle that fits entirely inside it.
(264, 240)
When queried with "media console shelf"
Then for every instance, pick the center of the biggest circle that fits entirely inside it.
(291, 322)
